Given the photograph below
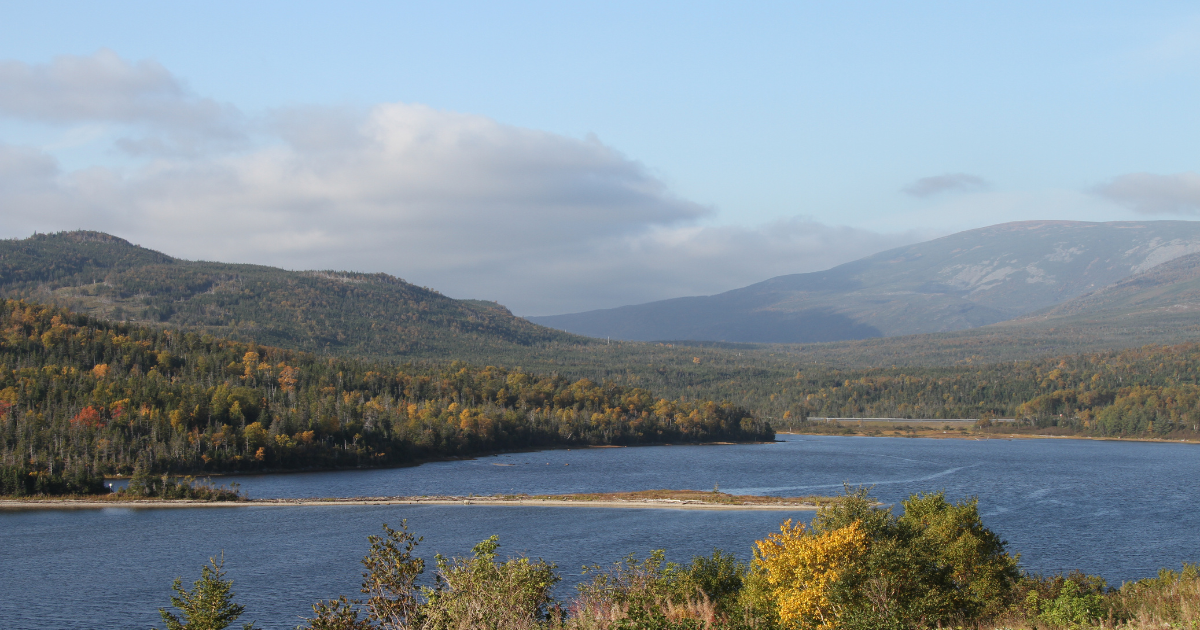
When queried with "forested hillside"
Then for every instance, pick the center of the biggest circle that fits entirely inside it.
(1152, 391)
(365, 315)
(80, 394)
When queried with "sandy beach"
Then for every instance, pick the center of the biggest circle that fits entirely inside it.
(660, 504)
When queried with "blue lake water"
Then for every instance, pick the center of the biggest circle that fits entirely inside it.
(1117, 509)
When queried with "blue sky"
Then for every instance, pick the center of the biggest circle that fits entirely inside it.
(563, 156)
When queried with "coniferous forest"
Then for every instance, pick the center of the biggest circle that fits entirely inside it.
(1143, 392)
(81, 398)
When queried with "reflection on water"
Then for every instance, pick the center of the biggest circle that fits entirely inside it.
(1120, 509)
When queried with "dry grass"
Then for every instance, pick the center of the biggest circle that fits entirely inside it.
(1171, 600)
(592, 614)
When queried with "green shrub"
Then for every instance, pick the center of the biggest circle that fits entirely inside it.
(143, 484)
(936, 565)
(478, 592)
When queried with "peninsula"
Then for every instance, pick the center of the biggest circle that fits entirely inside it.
(653, 499)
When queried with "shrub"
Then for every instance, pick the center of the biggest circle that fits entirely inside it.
(477, 592)
(859, 566)
(1074, 607)
(1172, 599)
(208, 605)
(143, 484)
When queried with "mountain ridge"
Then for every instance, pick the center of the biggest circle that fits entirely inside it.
(956, 282)
(342, 312)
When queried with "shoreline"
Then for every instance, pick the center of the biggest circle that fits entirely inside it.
(430, 460)
(995, 436)
(661, 504)
(932, 434)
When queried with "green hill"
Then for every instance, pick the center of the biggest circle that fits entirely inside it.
(368, 315)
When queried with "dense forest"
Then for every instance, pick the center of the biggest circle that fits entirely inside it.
(1150, 391)
(178, 366)
(1143, 392)
(81, 396)
(350, 314)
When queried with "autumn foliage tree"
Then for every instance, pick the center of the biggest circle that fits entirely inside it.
(860, 566)
(102, 398)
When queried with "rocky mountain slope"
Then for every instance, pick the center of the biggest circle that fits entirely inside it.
(957, 282)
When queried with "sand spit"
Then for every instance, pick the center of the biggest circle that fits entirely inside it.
(518, 501)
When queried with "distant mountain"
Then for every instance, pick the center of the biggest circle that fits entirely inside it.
(1161, 293)
(322, 311)
(957, 282)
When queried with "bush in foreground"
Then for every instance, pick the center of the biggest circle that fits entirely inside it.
(208, 605)
(858, 566)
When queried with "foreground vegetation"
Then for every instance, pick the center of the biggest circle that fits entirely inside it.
(82, 398)
(858, 566)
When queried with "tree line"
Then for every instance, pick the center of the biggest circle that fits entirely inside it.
(80, 396)
(1150, 391)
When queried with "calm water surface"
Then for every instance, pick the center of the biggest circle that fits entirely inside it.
(1118, 509)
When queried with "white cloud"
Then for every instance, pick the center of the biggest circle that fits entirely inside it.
(950, 182)
(475, 208)
(1148, 193)
(677, 262)
(103, 88)
(462, 203)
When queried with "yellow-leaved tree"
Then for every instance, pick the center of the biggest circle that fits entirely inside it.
(802, 568)
(858, 566)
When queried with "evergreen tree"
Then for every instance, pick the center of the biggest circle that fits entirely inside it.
(208, 605)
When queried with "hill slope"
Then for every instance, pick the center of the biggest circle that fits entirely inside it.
(1161, 292)
(957, 282)
(342, 313)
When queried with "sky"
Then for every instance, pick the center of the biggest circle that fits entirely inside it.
(560, 157)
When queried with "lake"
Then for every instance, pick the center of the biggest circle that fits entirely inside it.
(1118, 509)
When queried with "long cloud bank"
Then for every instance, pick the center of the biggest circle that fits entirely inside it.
(462, 203)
